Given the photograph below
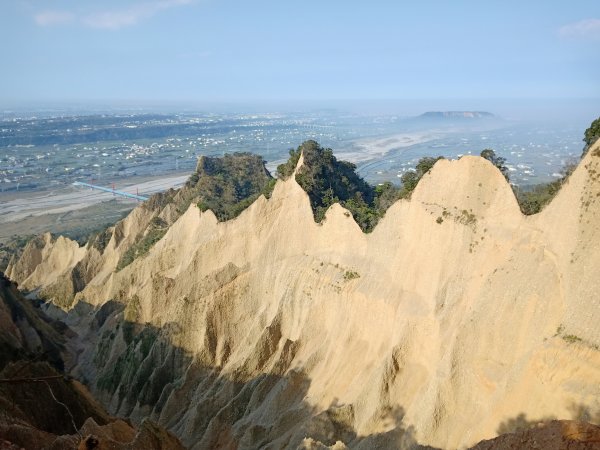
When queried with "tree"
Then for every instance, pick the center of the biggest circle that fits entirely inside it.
(425, 164)
(497, 161)
(591, 135)
(386, 195)
(284, 171)
(411, 178)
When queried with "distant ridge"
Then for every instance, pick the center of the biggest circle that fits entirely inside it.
(457, 115)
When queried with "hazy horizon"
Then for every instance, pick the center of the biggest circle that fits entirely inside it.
(569, 110)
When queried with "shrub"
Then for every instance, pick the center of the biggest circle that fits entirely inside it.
(230, 184)
(284, 171)
(351, 275)
(327, 181)
(571, 338)
(497, 161)
(141, 247)
(411, 178)
(532, 199)
(591, 135)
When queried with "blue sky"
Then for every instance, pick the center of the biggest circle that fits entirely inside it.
(227, 50)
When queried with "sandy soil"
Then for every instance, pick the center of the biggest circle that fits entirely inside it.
(75, 223)
(368, 148)
(72, 198)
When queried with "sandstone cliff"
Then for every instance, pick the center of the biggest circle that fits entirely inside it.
(454, 316)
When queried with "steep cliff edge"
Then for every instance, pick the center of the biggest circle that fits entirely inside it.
(455, 315)
(41, 407)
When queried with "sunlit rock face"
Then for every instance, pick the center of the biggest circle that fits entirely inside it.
(454, 316)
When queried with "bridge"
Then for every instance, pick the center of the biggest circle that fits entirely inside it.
(111, 190)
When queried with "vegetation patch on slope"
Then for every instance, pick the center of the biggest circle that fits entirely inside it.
(226, 185)
(328, 180)
(13, 248)
(591, 135)
(230, 184)
(152, 235)
(532, 199)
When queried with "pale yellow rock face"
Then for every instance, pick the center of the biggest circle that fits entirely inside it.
(457, 310)
(43, 266)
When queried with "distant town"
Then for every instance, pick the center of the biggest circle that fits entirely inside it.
(38, 153)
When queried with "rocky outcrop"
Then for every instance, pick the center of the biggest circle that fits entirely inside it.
(25, 331)
(553, 435)
(40, 405)
(456, 314)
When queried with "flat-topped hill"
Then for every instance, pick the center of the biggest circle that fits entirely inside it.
(441, 115)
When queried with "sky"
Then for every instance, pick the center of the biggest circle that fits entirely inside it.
(234, 50)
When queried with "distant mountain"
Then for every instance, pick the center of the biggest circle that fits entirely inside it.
(456, 115)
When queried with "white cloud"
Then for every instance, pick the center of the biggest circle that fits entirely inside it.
(109, 19)
(130, 16)
(586, 29)
(48, 18)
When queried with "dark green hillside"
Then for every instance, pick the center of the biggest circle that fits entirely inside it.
(230, 184)
(327, 180)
